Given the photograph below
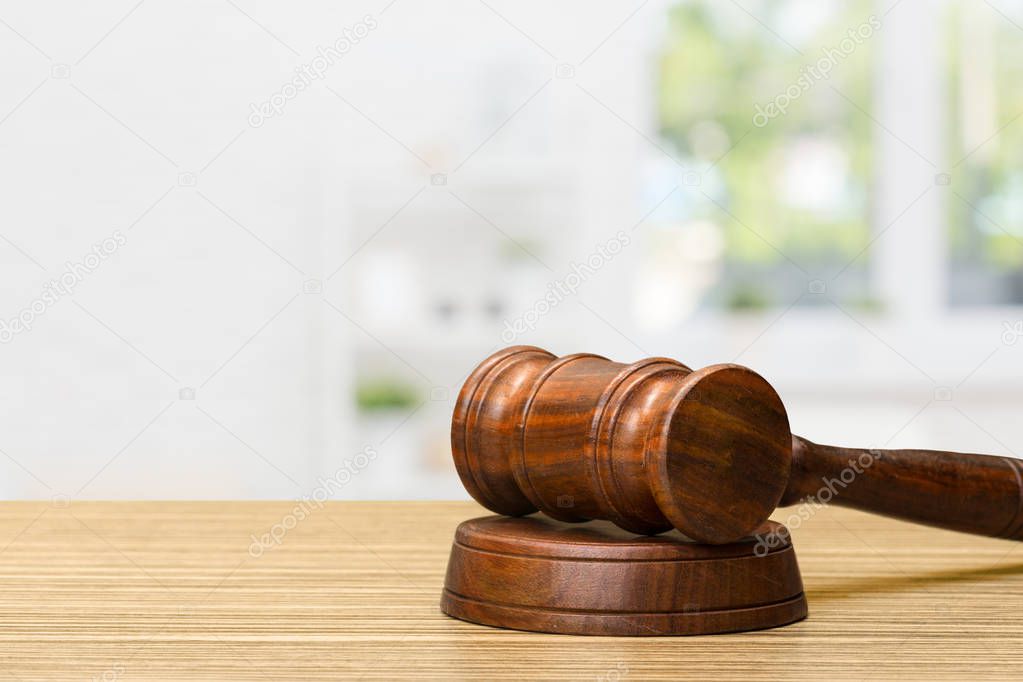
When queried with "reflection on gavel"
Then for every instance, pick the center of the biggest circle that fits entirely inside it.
(654, 445)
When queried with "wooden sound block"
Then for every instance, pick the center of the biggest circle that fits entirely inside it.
(535, 573)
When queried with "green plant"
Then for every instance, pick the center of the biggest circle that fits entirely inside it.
(380, 394)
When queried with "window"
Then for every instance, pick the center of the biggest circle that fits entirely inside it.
(985, 201)
(765, 136)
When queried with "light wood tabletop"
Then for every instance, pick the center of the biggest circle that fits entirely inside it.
(165, 590)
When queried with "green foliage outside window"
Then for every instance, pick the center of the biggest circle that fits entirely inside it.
(717, 65)
(985, 135)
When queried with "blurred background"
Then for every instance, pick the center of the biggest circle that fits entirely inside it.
(244, 245)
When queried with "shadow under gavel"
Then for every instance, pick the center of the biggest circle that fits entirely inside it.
(654, 445)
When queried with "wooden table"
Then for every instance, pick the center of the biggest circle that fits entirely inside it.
(154, 591)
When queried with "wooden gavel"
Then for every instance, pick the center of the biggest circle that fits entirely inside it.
(654, 445)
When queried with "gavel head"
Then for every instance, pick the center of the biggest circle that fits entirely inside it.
(649, 446)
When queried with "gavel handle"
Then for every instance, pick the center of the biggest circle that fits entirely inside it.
(980, 494)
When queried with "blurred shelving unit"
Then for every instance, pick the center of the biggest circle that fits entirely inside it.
(432, 291)
(540, 177)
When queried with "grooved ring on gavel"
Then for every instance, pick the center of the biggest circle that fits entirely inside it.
(649, 446)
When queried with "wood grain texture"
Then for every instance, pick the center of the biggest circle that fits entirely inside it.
(648, 446)
(970, 493)
(654, 445)
(542, 575)
(168, 591)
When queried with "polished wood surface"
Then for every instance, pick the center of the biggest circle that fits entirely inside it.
(654, 445)
(169, 591)
(538, 574)
(580, 437)
(969, 493)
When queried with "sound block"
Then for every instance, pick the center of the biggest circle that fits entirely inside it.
(535, 573)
